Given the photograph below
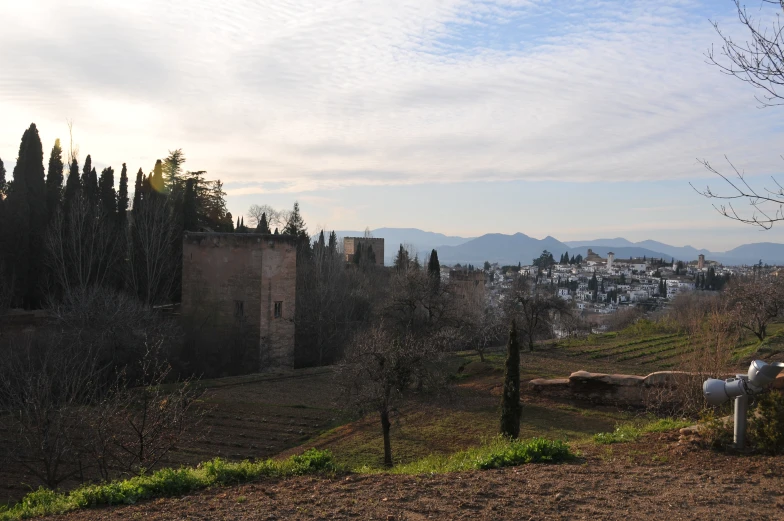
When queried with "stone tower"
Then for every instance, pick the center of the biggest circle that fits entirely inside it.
(246, 283)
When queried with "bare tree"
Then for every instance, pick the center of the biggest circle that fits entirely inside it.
(534, 308)
(148, 421)
(73, 150)
(275, 218)
(44, 383)
(152, 264)
(380, 368)
(82, 249)
(756, 302)
(758, 61)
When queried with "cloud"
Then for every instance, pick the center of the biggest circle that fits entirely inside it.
(320, 95)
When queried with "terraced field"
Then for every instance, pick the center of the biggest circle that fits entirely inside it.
(652, 349)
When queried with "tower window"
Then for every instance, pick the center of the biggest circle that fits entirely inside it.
(239, 308)
(278, 309)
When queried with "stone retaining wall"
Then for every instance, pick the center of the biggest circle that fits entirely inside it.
(617, 389)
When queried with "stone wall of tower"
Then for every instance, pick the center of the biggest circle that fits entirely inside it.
(350, 245)
(233, 281)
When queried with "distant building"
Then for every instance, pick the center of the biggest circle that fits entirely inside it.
(350, 245)
(701, 262)
(610, 259)
(468, 284)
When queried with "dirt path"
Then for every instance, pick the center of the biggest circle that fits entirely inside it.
(657, 478)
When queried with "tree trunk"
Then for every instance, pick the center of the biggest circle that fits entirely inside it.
(387, 444)
(481, 355)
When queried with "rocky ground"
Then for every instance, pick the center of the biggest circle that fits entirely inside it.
(655, 478)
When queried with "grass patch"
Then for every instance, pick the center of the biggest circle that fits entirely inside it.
(499, 452)
(167, 482)
(628, 432)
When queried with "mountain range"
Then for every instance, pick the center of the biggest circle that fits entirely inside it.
(511, 249)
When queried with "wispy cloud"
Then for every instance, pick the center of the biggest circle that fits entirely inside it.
(319, 95)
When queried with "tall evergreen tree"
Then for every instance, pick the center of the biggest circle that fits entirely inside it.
(172, 169)
(72, 186)
(107, 195)
(402, 260)
(26, 208)
(333, 243)
(511, 411)
(433, 266)
(296, 225)
(321, 245)
(190, 216)
(138, 187)
(54, 181)
(2, 180)
(156, 182)
(357, 254)
(122, 198)
(89, 180)
(263, 226)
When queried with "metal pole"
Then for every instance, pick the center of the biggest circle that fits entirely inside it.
(741, 407)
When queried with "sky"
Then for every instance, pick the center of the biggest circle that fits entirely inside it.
(577, 119)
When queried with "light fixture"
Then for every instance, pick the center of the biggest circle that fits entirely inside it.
(760, 375)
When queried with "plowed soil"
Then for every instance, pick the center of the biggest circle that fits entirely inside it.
(657, 478)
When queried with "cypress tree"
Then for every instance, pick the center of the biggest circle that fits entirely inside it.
(333, 243)
(511, 411)
(370, 255)
(433, 266)
(122, 198)
(156, 181)
(358, 254)
(3, 228)
(276, 231)
(54, 181)
(320, 247)
(2, 180)
(263, 226)
(72, 186)
(190, 215)
(107, 194)
(89, 188)
(26, 209)
(137, 191)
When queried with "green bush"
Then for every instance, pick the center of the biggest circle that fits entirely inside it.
(766, 425)
(715, 431)
(628, 432)
(498, 452)
(536, 450)
(167, 482)
(622, 434)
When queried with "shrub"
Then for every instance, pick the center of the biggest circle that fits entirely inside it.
(167, 482)
(715, 431)
(536, 450)
(498, 452)
(628, 432)
(622, 434)
(766, 426)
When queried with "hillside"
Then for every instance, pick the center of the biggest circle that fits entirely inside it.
(497, 247)
(511, 249)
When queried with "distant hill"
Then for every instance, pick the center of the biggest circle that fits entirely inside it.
(511, 249)
(504, 249)
(685, 253)
(768, 252)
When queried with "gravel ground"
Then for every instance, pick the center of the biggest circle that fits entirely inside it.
(655, 478)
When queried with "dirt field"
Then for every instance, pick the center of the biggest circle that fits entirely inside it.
(248, 417)
(656, 478)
